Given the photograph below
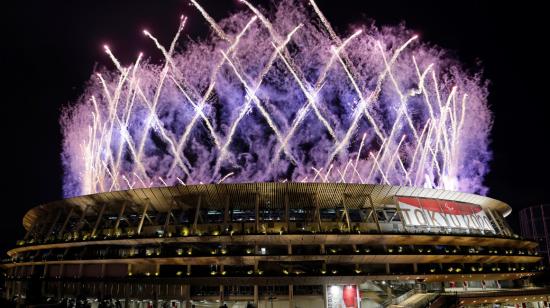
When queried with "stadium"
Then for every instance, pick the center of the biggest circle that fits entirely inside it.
(275, 245)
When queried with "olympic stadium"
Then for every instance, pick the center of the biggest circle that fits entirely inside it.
(275, 245)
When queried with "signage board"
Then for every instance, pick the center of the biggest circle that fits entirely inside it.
(443, 213)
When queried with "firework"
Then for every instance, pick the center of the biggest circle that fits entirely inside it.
(279, 96)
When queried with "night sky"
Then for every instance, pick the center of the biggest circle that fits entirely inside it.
(53, 46)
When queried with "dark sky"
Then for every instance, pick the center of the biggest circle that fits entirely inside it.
(52, 48)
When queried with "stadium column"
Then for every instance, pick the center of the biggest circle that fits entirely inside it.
(290, 296)
(346, 212)
(374, 214)
(226, 219)
(81, 220)
(317, 215)
(52, 226)
(290, 286)
(119, 217)
(226, 215)
(197, 213)
(62, 230)
(504, 226)
(19, 297)
(142, 218)
(325, 304)
(102, 281)
(44, 225)
(79, 284)
(186, 290)
(61, 284)
(45, 281)
(12, 272)
(9, 286)
(98, 220)
(496, 222)
(256, 295)
(167, 220)
(222, 299)
(257, 212)
(187, 295)
(287, 216)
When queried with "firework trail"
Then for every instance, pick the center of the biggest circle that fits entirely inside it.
(277, 95)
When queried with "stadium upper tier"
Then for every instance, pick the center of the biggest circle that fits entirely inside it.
(414, 207)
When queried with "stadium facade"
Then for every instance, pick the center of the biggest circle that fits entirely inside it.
(274, 245)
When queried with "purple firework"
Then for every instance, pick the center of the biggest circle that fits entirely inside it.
(275, 96)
